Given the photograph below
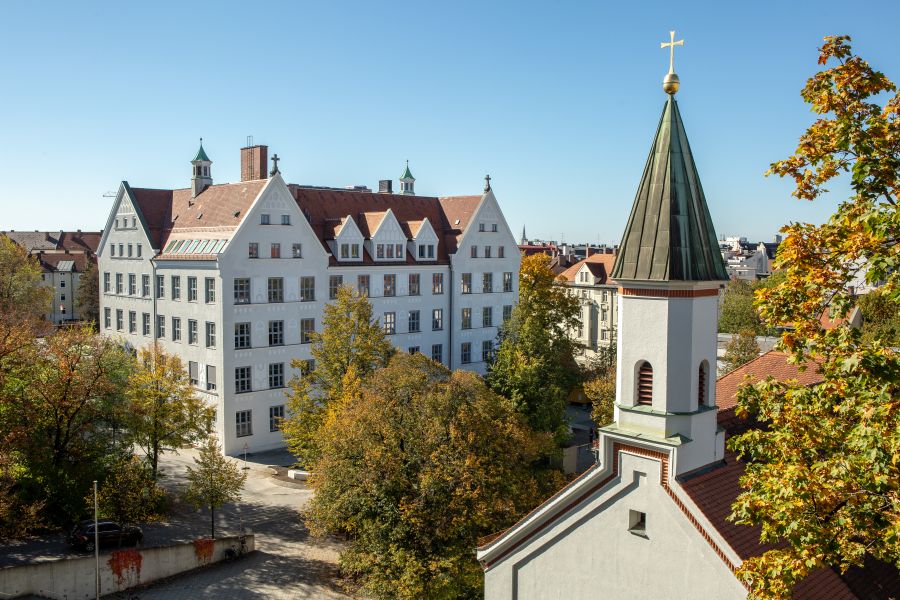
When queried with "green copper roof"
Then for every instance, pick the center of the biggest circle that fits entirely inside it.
(407, 174)
(670, 235)
(201, 154)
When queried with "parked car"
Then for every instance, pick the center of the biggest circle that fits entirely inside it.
(110, 534)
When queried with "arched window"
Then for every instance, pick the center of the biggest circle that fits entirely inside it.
(645, 384)
(702, 379)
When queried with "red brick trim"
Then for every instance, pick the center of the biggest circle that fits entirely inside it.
(661, 293)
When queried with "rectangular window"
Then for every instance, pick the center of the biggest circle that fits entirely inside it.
(362, 285)
(160, 326)
(275, 251)
(132, 321)
(276, 289)
(345, 251)
(466, 283)
(507, 312)
(466, 318)
(437, 319)
(176, 287)
(253, 250)
(414, 321)
(106, 282)
(507, 282)
(242, 380)
(494, 227)
(390, 285)
(334, 284)
(176, 329)
(307, 328)
(118, 283)
(297, 250)
(241, 336)
(194, 372)
(487, 251)
(487, 283)
(354, 251)
(413, 350)
(129, 250)
(481, 227)
(437, 283)
(264, 219)
(192, 331)
(604, 314)
(242, 290)
(422, 251)
(276, 333)
(112, 249)
(379, 251)
(107, 318)
(285, 219)
(145, 321)
(413, 284)
(500, 252)
(145, 286)
(192, 289)
(276, 375)
(487, 316)
(276, 416)
(466, 353)
(139, 250)
(486, 348)
(120, 321)
(160, 286)
(431, 251)
(210, 335)
(121, 250)
(243, 422)
(390, 250)
(210, 290)
(390, 323)
(132, 284)
(210, 378)
(400, 252)
(473, 252)
(307, 289)
(437, 353)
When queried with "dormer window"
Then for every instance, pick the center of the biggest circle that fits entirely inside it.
(494, 227)
(379, 251)
(345, 251)
(264, 219)
(481, 227)
(400, 251)
(285, 219)
(390, 251)
(354, 251)
(645, 384)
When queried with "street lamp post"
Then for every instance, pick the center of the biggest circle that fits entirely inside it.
(96, 544)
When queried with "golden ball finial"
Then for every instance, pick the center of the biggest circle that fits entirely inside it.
(671, 83)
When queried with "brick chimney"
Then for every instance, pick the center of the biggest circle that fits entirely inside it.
(254, 162)
(385, 186)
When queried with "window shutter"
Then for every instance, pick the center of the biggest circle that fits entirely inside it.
(645, 384)
(701, 387)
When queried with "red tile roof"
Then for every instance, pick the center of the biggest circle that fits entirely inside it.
(75, 241)
(598, 264)
(50, 261)
(771, 363)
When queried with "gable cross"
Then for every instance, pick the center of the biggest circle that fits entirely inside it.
(671, 46)
(487, 183)
(275, 160)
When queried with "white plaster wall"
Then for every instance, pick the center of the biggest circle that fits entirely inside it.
(589, 552)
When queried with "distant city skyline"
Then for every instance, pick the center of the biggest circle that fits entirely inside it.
(558, 104)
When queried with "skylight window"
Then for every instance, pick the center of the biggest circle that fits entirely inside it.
(178, 246)
(202, 246)
(191, 246)
(218, 247)
(169, 246)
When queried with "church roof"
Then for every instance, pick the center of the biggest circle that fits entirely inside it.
(201, 154)
(407, 174)
(670, 235)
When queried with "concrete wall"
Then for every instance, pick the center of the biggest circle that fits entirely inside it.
(73, 578)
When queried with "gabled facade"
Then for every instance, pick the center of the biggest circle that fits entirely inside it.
(588, 280)
(234, 279)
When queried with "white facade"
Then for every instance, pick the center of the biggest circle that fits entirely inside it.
(420, 305)
(599, 308)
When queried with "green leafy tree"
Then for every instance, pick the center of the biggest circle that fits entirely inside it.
(162, 410)
(130, 494)
(822, 475)
(351, 342)
(214, 481)
(601, 391)
(416, 465)
(881, 319)
(534, 365)
(21, 291)
(87, 296)
(738, 312)
(740, 350)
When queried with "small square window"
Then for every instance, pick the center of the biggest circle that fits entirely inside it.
(637, 523)
(263, 219)
(285, 219)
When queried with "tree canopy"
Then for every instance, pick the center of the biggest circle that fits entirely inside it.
(87, 296)
(822, 474)
(214, 480)
(740, 350)
(416, 465)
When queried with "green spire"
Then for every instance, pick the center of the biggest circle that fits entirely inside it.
(407, 174)
(201, 154)
(670, 235)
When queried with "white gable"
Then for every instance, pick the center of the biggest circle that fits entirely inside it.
(348, 243)
(389, 240)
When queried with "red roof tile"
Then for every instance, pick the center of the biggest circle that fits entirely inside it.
(598, 264)
(771, 363)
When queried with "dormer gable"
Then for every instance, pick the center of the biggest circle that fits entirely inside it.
(585, 276)
(388, 242)
(424, 243)
(348, 241)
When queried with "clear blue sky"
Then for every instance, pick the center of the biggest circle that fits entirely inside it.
(557, 101)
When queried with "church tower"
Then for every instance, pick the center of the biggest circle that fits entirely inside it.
(407, 182)
(669, 270)
(201, 176)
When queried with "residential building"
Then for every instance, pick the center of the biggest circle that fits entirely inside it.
(63, 256)
(589, 281)
(234, 278)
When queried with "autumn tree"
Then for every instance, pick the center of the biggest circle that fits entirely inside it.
(351, 341)
(87, 295)
(163, 411)
(21, 291)
(822, 475)
(881, 319)
(740, 350)
(534, 365)
(215, 480)
(129, 494)
(601, 391)
(416, 465)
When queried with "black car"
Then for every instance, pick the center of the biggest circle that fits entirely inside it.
(111, 534)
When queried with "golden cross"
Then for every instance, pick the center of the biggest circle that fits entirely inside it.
(671, 46)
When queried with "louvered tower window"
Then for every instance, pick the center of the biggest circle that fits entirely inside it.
(701, 385)
(645, 384)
